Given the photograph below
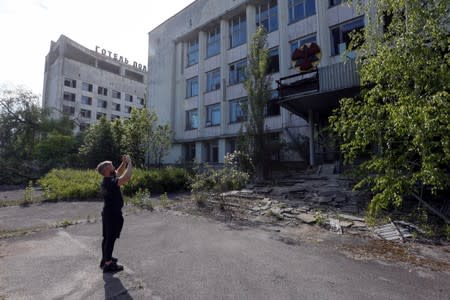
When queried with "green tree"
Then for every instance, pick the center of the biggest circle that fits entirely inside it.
(159, 143)
(401, 121)
(257, 84)
(99, 145)
(137, 132)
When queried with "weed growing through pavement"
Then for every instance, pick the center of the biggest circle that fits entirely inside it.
(28, 194)
(142, 199)
(164, 200)
(320, 218)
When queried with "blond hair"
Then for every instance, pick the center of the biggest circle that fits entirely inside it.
(101, 166)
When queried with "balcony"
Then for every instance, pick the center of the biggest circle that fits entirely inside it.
(319, 90)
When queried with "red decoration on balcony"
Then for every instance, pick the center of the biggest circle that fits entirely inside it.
(306, 57)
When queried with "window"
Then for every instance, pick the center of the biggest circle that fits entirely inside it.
(238, 31)
(141, 101)
(231, 145)
(84, 113)
(128, 98)
(69, 110)
(301, 9)
(191, 119)
(84, 126)
(128, 109)
(238, 110)
(100, 115)
(116, 106)
(116, 94)
(334, 2)
(70, 83)
(69, 96)
(192, 87)
(274, 61)
(267, 15)
(213, 115)
(86, 87)
(102, 103)
(212, 152)
(189, 152)
(302, 41)
(213, 43)
(113, 117)
(86, 100)
(102, 91)
(340, 35)
(237, 71)
(272, 107)
(192, 53)
(213, 80)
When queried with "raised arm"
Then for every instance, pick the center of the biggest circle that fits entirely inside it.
(126, 176)
(122, 166)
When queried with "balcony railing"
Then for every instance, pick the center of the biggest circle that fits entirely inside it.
(329, 78)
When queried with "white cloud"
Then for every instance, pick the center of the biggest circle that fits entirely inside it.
(28, 26)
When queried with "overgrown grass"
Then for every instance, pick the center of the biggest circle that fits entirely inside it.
(66, 184)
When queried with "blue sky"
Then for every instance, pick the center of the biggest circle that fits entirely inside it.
(28, 26)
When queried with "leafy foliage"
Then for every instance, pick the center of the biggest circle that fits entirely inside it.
(99, 144)
(209, 180)
(257, 84)
(137, 132)
(30, 141)
(401, 121)
(159, 143)
(62, 184)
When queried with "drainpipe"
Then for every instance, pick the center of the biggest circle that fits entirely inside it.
(311, 137)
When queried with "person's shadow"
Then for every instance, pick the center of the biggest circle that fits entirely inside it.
(114, 288)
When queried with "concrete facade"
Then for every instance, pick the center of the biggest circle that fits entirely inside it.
(171, 72)
(86, 84)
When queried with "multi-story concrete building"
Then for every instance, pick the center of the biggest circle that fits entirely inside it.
(88, 84)
(196, 71)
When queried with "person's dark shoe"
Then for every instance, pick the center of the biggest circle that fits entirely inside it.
(102, 262)
(112, 268)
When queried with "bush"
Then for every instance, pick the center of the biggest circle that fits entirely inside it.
(157, 181)
(216, 181)
(61, 184)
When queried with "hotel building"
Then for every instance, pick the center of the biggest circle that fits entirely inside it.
(89, 84)
(197, 60)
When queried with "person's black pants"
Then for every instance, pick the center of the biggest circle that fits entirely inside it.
(112, 226)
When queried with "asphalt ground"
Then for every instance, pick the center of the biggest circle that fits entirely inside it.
(171, 255)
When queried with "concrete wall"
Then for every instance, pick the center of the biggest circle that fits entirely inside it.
(61, 68)
(168, 72)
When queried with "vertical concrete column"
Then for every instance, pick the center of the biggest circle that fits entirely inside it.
(222, 150)
(311, 136)
(323, 32)
(199, 152)
(284, 50)
(224, 72)
(201, 83)
(180, 92)
(250, 13)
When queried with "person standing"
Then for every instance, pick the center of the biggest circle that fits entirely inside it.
(112, 219)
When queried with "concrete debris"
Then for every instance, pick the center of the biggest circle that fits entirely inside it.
(276, 212)
(351, 218)
(392, 232)
(335, 226)
(345, 224)
(306, 218)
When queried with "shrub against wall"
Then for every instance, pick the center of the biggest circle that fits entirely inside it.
(65, 184)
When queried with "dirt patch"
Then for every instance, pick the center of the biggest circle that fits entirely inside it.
(397, 252)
